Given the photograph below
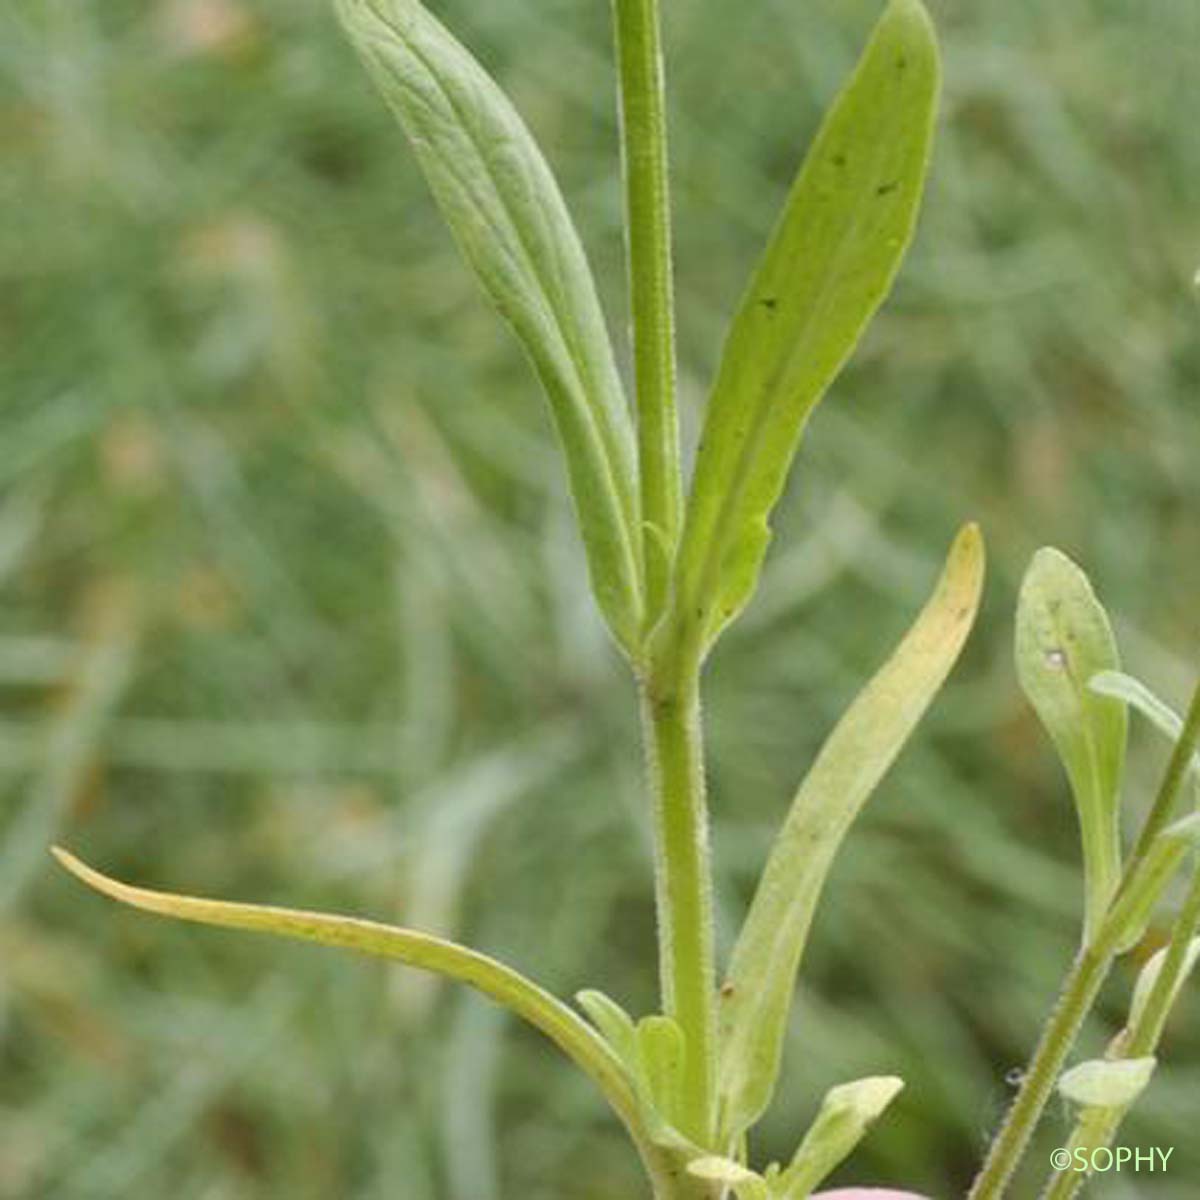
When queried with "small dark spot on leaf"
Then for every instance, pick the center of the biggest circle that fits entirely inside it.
(885, 188)
(727, 990)
(769, 303)
(838, 160)
(902, 63)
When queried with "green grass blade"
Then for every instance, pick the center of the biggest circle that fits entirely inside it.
(505, 209)
(828, 267)
(757, 996)
(1063, 639)
(495, 980)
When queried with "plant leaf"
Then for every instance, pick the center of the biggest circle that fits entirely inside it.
(661, 1051)
(500, 983)
(855, 757)
(1063, 639)
(844, 1117)
(653, 1052)
(1134, 693)
(614, 1023)
(507, 214)
(828, 267)
(1107, 1083)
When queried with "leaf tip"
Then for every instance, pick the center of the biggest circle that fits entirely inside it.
(866, 1098)
(915, 26)
(84, 873)
(136, 897)
(969, 543)
(70, 863)
(965, 566)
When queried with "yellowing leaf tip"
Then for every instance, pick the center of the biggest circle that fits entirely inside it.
(93, 878)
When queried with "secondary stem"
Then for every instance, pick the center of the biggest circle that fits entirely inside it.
(671, 718)
(1082, 984)
(1078, 994)
(648, 233)
(1096, 1126)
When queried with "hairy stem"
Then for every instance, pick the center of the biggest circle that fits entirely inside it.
(1075, 1001)
(1084, 981)
(1097, 1126)
(683, 887)
(648, 235)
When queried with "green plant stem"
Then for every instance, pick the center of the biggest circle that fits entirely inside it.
(1097, 1127)
(648, 235)
(1075, 1001)
(1079, 991)
(683, 887)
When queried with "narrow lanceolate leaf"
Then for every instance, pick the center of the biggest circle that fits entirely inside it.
(1063, 639)
(829, 265)
(501, 983)
(508, 216)
(757, 995)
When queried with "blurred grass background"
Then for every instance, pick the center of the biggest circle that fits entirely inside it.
(291, 607)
